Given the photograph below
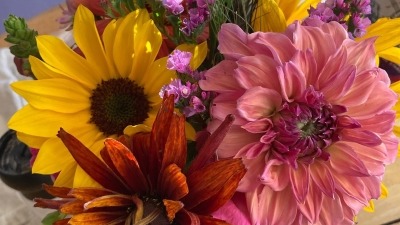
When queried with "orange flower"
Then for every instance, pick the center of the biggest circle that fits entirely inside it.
(143, 181)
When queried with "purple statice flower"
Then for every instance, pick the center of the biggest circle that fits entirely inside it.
(179, 61)
(360, 24)
(172, 88)
(173, 6)
(323, 13)
(198, 15)
(195, 106)
(363, 6)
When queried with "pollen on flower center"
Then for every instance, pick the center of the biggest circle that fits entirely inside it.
(117, 103)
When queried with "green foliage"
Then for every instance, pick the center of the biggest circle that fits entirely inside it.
(52, 217)
(22, 38)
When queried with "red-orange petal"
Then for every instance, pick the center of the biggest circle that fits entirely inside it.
(172, 183)
(126, 166)
(215, 183)
(50, 203)
(87, 194)
(172, 207)
(208, 220)
(96, 218)
(184, 217)
(61, 222)
(61, 192)
(110, 201)
(92, 165)
(73, 207)
(175, 150)
(210, 146)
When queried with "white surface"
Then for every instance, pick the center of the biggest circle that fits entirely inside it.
(15, 209)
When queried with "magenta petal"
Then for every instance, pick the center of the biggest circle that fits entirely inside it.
(300, 180)
(345, 161)
(292, 80)
(258, 102)
(258, 126)
(234, 211)
(219, 78)
(258, 70)
(234, 45)
(321, 175)
(361, 136)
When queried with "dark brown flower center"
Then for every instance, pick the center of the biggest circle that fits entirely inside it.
(117, 103)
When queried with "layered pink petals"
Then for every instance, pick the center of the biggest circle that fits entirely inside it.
(315, 122)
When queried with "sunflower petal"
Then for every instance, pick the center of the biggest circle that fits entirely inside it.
(199, 53)
(268, 17)
(91, 164)
(300, 12)
(391, 54)
(88, 40)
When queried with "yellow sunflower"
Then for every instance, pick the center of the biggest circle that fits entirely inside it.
(116, 83)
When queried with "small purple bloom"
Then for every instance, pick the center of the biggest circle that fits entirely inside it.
(179, 61)
(174, 6)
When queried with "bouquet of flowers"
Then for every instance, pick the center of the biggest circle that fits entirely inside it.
(209, 111)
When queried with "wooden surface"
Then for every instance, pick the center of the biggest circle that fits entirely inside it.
(44, 23)
(385, 209)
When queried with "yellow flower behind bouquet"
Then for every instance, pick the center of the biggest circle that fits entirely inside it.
(114, 84)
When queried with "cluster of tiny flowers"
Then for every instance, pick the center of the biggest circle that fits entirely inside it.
(198, 12)
(189, 98)
(352, 14)
(173, 6)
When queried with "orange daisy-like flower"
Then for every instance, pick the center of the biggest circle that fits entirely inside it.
(142, 179)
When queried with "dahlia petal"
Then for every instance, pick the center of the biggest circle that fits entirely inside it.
(258, 102)
(276, 45)
(304, 37)
(224, 104)
(253, 150)
(347, 122)
(234, 211)
(258, 126)
(374, 105)
(125, 165)
(381, 123)
(330, 205)
(306, 63)
(391, 143)
(275, 175)
(292, 81)
(336, 30)
(234, 45)
(88, 40)
(59, 95)
(340, 84)
(300, 181)
(172, 183)
(274, 207)
(361, 136)
(72, 65)
(219, 78)
(344, 160)
(312, 204)
(333, 65)
(321, 175)
(361, 54)
(258, 70)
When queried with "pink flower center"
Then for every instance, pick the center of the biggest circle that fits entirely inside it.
(304, 128)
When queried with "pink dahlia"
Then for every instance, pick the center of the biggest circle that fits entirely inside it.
(313, 122)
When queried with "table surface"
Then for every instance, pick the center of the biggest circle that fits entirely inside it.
(386, 210)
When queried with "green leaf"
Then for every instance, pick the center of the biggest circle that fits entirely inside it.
(52, 217)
